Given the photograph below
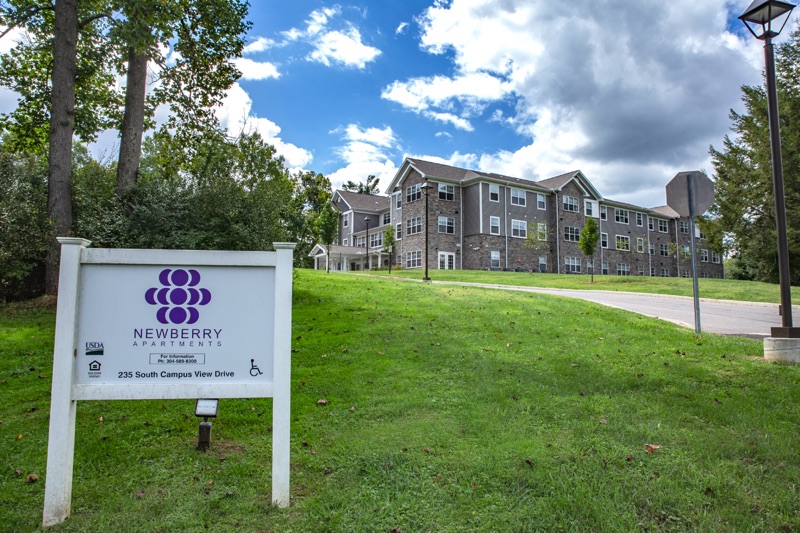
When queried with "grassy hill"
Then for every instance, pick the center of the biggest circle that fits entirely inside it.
(448, 409)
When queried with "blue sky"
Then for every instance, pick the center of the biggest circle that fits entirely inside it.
(628, 92)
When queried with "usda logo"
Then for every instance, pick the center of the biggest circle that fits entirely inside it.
(94, 348)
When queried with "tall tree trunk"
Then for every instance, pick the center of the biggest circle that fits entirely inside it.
(130, 146)
(62, 125)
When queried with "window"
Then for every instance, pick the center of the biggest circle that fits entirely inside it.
(414, 226)
(652, 271)
(641, 270)
(570, 203)
(639, 219)
(398, 201)
(685, 227)
(603, 213)
(651, 223)
(664, 250)
(588, 208)
(494, 257)
(685, 250)
(623, 242)
(447, 192)
(519, 229)
(652, 248)
(540, 203)
(518, 197)
(604, 240)
(704, 256)
(715, 257)
(572, 234)
(361, 242)
(664, 272)
(623, 269)
(685, 273)
(346, 220)
(543, 264)
(572, 265)
(494, 225)
(604, 267)
(387, 218)
(640, 245)
(345, 242)
(414, 259)
(414, 192)
(398, 231)
(662, 226)
(621, 216)
(700, 234)
(447, 225)
(705, 275)
(494, 192)
(541, 231)
(375, 239)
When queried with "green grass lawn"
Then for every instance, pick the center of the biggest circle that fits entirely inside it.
(720, 289)
(449, 409)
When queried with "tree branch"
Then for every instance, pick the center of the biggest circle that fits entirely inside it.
(25, 18)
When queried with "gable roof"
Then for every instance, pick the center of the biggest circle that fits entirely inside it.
(364, 203)
(462, 176)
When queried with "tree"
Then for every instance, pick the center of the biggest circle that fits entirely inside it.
(388, 244)
(370, 186)
(327, 228)
(744, 213)
(590, 236)
(311, 200)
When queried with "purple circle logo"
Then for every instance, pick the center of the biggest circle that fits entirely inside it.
(178, 296)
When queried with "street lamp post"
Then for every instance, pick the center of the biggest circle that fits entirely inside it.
(759, 19)
(366, 241)
(426, 187)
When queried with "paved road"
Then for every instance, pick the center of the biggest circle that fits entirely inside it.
(725, 317)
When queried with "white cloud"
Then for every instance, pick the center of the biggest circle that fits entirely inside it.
(367, 151)
(401, 28)
(344, 48)
(235, 118)
(629, 95)
(342, 45)
(255, 70)
(259, 45)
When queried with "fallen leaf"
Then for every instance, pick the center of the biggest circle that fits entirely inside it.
(528, 462)
(709, 491)
(651, 448)
(18, 472)
(437, 479)
(322, 401)
(32, 478)
(19, 437)
(427, 450)
(352, 409)
(603, 421)
(139, 494)
(629, 457)
(313, 451)
(473, 484)
(211, 482)
(100, 419)
(328, 470)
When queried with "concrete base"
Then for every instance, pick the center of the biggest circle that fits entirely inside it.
(782, 350)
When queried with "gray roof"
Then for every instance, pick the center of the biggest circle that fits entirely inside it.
(365, 203)
(666, 211)
(462, 175)
(558, 181)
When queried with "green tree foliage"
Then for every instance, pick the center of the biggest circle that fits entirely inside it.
(368, 186)
(590, 236)
(389, 244)
(308, 216)
(744, 213)
(24, 228)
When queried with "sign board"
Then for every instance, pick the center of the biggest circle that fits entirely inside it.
(168, 324)
(702, 192)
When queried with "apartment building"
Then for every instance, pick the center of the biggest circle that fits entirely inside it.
(487, 221)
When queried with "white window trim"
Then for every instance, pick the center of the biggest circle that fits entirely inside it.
(490, 192)
(490, 226)
(523, 229)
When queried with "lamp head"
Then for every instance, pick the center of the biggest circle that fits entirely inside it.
(766, 18)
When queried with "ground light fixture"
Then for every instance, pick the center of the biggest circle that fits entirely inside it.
(207, 408)
(426, 186)
(765, 19)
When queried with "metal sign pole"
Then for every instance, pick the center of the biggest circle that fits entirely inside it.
(694, 256)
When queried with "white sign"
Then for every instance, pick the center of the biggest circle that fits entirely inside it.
(174, 326)
(168, 324)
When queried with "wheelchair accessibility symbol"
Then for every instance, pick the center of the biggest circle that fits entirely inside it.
(254, 370)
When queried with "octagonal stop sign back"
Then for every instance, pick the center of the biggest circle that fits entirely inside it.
(702, 192)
